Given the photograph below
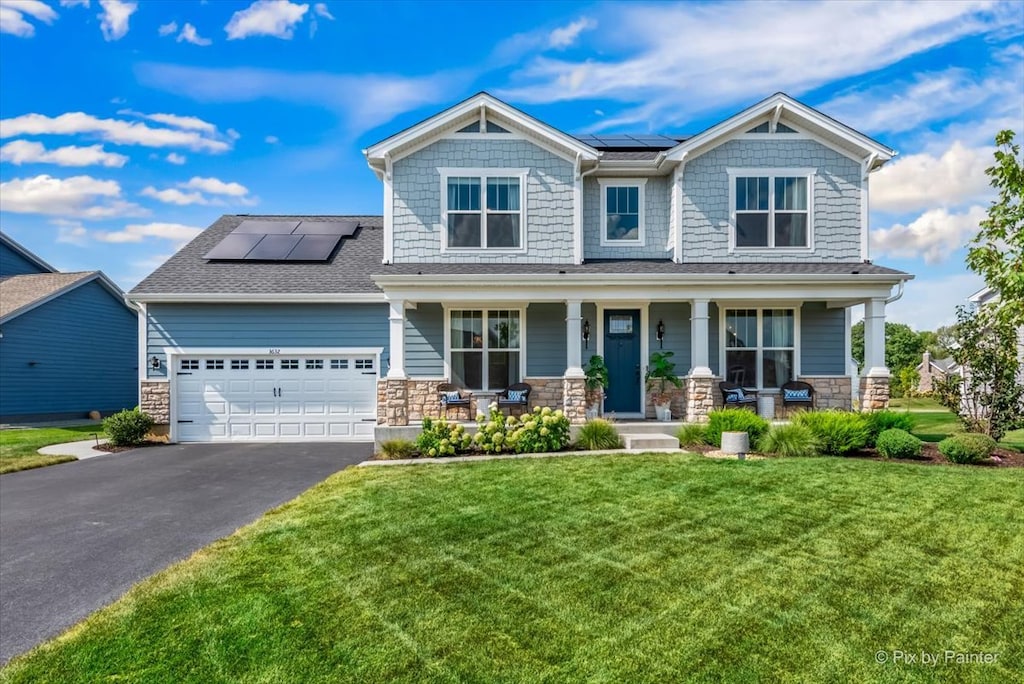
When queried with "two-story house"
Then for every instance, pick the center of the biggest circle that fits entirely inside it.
(511, 251)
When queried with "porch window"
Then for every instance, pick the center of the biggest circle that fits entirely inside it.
(760, 347)
(622, 211)
(483, 211)
(772, 210)
(485, 348)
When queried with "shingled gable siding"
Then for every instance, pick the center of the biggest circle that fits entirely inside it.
(424, 341)
(545, 340)
(656, 218)
(265, 326)
(417, 207)
(12, 263)
(836, 200)
(822, 340)
(69, 356)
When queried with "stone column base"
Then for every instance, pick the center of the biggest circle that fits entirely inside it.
(874, 394)
(700, 398)
(830, 392)
(574, 398)
(392, 402)
(156, 401)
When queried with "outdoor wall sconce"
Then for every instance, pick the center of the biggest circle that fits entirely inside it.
(154, 363)
(586, 334)
(661, 334)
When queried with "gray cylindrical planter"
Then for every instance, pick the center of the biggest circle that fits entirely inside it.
(736, 443)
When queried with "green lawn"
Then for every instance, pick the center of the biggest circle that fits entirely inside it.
(19, 448)
(610, 569)
(933, 422)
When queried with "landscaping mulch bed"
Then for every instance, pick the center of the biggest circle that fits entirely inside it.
(111, 449)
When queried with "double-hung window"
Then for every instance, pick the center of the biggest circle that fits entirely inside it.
(760, 347)
(622, 211)
(771, 209)
(485, 349)
(483, 209)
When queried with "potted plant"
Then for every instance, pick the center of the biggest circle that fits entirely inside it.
(596, 382)
(660, 375)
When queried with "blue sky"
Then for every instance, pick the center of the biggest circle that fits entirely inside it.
(129, 126)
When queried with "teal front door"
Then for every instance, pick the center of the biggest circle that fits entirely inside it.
(622, 357)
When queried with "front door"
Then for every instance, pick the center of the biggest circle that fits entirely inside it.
(622, 357)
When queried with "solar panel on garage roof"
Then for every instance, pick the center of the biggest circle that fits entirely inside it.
(339, 228)
(314, 248)
(266, 227)
(234, 246)
(273, 247)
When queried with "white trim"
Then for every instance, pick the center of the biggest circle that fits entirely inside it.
(761, 307)
(484, 309)
(262, 297)
(771, 173)
(641, 185)
(142, 355)
(577, 211)
(677, 211)
(865, 215)
(483, 174)
(389, 210)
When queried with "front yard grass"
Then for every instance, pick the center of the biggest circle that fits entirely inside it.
(933, 422)
(617, 568)
(19, 448)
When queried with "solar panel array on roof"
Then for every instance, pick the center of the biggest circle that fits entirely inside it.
(641, 141)
(256, 240)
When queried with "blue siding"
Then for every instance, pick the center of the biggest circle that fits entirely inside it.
(72, 355)
(676, 316)
(12, 263)
(545, 340)
(424, 341)
(822, 340)
(265, 325)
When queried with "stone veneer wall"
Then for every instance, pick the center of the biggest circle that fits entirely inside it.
(829, 392)
(156, 401)
(702, 395)
(574, 393)
(874, 394)
(677, 405)
(419, 400)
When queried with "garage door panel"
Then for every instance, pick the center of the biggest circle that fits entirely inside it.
(290, 429)
(264, 387)
(239, 386)
(241, 408)
(216, 408)
(315, 408)
(265, 408)
(241, 429)
(265, 429)
(289, 408)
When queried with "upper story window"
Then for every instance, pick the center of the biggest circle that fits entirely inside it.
(484, 209)
(622, 211)
(771, 209)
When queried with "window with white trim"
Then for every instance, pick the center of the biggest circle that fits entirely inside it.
(339, 364)
(190, 364)
(264, 364)
(483, 211)
(214, 364)
(314, 364)
(622, 211)
(289, 364)
(760, 347)
(771, 210)
(239, 364)
(485, 348)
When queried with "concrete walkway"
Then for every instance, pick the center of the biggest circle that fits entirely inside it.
(80, 450)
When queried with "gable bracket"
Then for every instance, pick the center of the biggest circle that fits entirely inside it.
(775, 118)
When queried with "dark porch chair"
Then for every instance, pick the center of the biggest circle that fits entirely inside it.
(733, 395)
(452, 397)
(517, 395)
(797, 393)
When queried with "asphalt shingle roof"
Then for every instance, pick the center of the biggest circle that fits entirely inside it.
(20, 291)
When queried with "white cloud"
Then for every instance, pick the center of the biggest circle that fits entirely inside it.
(19, 152)
(111, 130)
(565, 36)
(934, 235)
(114, 18)
(930, 302)
(82, 197)
(168, 28)
(192, 192)
(276, 18)
(272, 140)
(74, 3)
(215, 186)
(189, 35)
(13, 12)
(174, 196)
(321, 11)
(175, 232)
(175, 158)
(189, 123)
(71, 232)
(661, 54)
(923, 181)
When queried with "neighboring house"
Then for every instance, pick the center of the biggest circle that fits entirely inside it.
(931, 371)
(987, 296)
(511, 251)
(68, 341)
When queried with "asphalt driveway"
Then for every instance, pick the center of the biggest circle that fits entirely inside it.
(75, 536)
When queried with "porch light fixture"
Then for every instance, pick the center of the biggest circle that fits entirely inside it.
(661, 334)
(586, 334)
(154, 363)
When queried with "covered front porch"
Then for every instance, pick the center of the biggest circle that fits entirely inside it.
(484, 336)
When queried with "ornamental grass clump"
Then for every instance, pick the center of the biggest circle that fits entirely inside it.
(789, 441)
(967, 447)
(735, 420)
(897, 443)
(598, 434)
(128, 427)
(397, 448)
(839, 433)
(441, 438)
(692, 435)
(880, 421)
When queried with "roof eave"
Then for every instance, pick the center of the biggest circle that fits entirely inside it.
(255, 297)
(512, 280)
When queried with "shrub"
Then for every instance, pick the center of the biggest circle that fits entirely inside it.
(492, 431)
(880, 421)
(789, 440)
(967, 447)
(735, 420)
(441, 438)
(839, 433)
(128, 427)
(397, 448)
(897, 443)
(692, 434)
(541, 431)
(598, 434)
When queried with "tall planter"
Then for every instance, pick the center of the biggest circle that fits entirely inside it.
(660, 379)
(596, 374)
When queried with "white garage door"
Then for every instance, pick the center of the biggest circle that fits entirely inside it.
(275, 398)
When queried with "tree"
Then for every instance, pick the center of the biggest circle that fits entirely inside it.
(997, 251)
(938, 343)
(903, 346)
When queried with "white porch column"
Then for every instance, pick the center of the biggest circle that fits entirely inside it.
(699, 364)
(874, 338)
(396, 327)
(573, 335)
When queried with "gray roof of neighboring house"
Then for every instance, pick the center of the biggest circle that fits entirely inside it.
(351, 269)
(22, 292)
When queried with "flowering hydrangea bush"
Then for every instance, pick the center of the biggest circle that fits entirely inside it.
(441, 438)
(542, 430)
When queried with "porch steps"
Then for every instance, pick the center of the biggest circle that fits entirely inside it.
(648, 441)
(648, 427)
